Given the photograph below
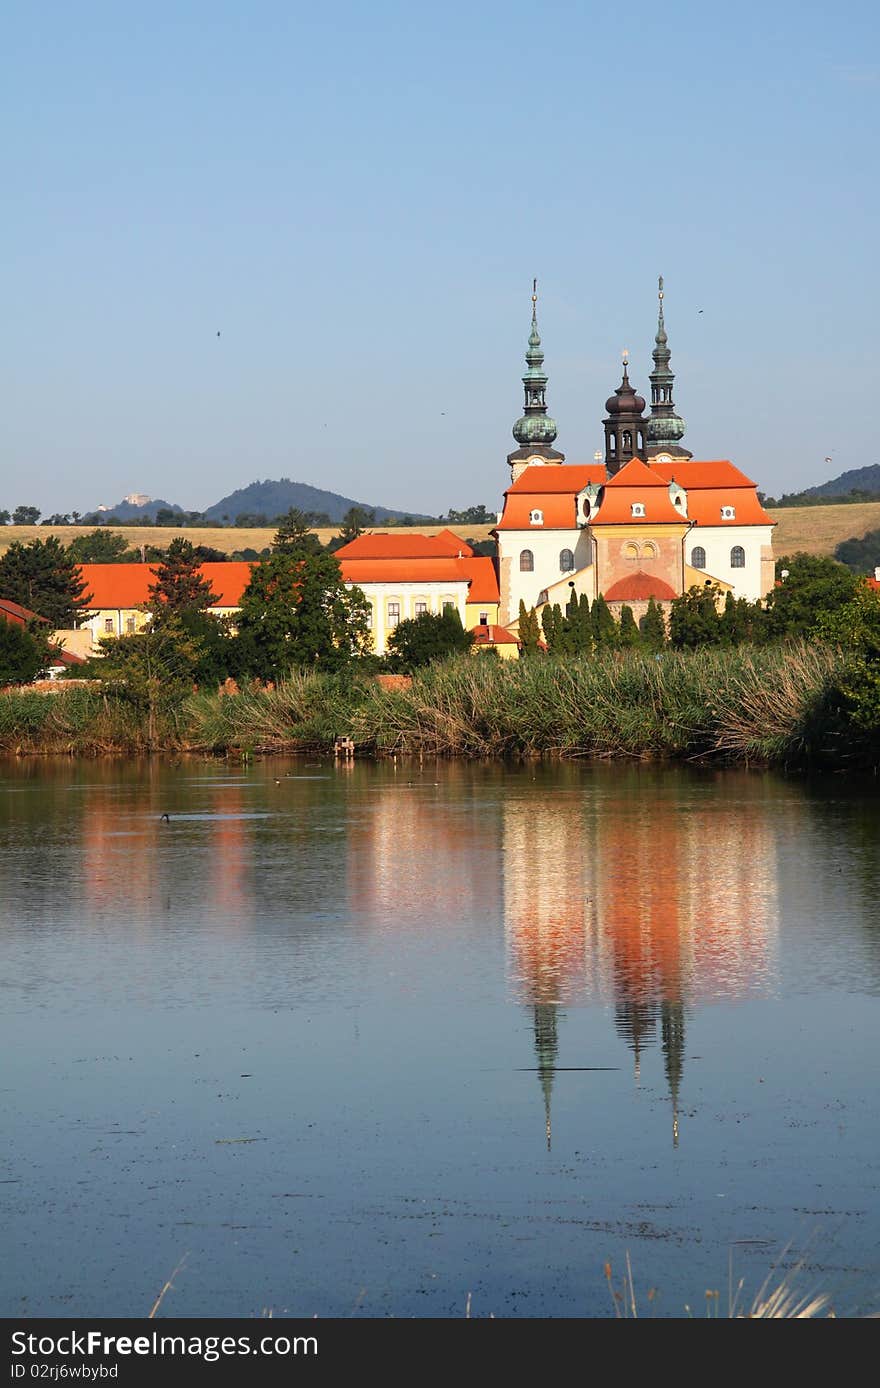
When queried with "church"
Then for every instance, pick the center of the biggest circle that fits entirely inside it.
(647, 520)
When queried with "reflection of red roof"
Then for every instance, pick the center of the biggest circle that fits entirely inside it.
(128, 585)
(638, 587)
(14, 612)
(383, 545)
(494, 636)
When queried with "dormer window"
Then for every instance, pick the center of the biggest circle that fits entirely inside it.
(536, 518)
(638, 508)
(728, 513)
(678, 501)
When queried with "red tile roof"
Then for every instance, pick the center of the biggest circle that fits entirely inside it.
(557, 477)
(616, 503)
(635, 473)
(558, 511)
(383, 545)
(638, 587)
(123, 586)
(719, 472)
(704, 506)
(494, 636)
(118, 586)
(478, 572)
(14, 612)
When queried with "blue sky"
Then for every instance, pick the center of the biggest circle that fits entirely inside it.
(356, 197)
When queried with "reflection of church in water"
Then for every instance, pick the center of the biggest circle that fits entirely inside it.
(651, 906)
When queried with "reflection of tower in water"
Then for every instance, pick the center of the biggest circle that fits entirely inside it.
(657, 901)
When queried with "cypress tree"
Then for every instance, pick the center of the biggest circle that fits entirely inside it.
(628, 632)
(529, 630)
(653, 627)
(604, 625)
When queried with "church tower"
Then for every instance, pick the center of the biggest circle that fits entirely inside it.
(624, 425)
(665, 429)
(535, 431)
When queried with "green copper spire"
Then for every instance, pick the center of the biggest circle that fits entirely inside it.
(536, 426)
(664, 428)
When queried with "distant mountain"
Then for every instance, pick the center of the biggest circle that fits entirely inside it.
(275, 498)
(859, 479)
(131, 507)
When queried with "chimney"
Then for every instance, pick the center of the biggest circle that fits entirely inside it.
(877, 574)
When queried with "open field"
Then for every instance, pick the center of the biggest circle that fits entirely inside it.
(813, 529)
(820, 529)
(228, 539)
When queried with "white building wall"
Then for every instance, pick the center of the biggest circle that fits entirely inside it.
(406, 596)
(718, 541)
(546, 546)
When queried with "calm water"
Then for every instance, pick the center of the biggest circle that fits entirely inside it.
(360, 1042)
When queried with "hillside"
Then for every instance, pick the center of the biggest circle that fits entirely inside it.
(860, 479)
(271, 499)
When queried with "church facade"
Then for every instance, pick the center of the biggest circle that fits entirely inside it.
(646, 521)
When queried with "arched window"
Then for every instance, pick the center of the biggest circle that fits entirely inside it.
(631, 552)
(526, 562)
(737, 557)
(536, 517)
(698, 557)
(566, 561)
(648, 550)
(627, 439)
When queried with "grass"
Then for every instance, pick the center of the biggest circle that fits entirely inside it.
(773, 706)
(778, 1298)
(820, 529)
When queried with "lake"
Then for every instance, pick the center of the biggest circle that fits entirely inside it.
(367, 1040)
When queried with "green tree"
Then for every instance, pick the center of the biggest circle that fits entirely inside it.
(860, 555)
(294, 536)
(807, 587)
(418, 641)
(154, 670)
(653, 627)
(5, 517)
(604, 625)
(471, 515)
(529, 630)
(101, 547)
(42, 577)
(855, 627)
(26, 515)
(24, 653)
(628, 633)
(694, 619)
(296, 610)
(180, 585)
(581, 621)
(354, 523)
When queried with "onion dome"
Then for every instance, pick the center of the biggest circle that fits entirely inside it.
(535, 426)
(625, 400)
